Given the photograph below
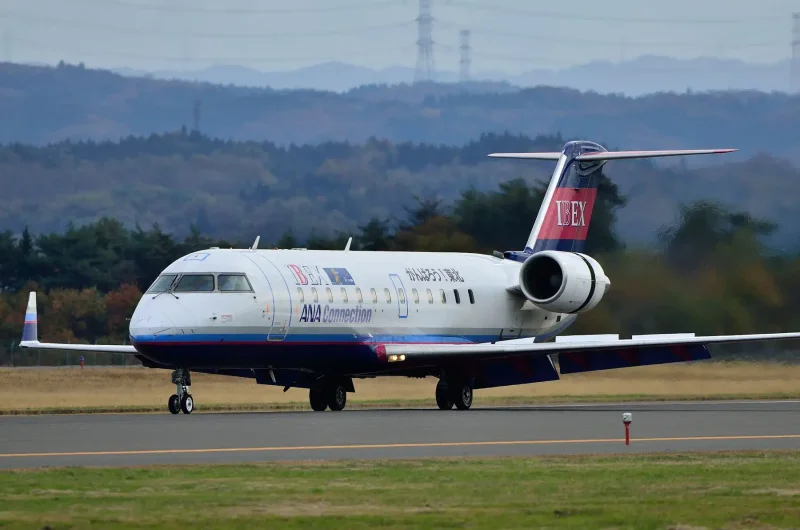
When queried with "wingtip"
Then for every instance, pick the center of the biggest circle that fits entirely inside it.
(30, 329)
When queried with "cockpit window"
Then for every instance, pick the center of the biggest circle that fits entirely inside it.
(233, 283)
(162, 283)
(195, 283)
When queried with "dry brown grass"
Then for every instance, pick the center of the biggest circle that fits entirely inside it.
(73, 388)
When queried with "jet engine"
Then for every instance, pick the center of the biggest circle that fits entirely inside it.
(563, 282)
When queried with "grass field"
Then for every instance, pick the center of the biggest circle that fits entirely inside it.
(681, 491)
(97, 389)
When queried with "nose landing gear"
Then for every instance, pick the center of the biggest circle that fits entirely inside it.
(182, 401)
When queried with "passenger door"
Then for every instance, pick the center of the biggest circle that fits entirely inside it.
(400, 295)
(278, 301)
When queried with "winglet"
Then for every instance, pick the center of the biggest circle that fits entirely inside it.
(30, 330)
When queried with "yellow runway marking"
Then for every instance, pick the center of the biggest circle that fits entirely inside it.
(394, 446)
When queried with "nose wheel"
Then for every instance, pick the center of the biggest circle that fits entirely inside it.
(182, 401)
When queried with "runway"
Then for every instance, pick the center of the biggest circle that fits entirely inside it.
(143, 439)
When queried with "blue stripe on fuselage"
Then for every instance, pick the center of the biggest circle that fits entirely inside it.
(307, 338)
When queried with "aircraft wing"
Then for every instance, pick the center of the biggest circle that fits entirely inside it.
(578, 354)
(30, 336)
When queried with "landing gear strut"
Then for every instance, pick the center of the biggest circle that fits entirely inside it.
(451, 392)
(182, 401)
(328, 394)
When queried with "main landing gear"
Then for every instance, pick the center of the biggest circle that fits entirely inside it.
(182, 401)
(451, 392)
(328, 394)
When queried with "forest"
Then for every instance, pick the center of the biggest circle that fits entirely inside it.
(710, 273)
(233, 189)
(42, 105)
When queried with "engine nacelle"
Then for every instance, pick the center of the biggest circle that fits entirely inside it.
(563, 282)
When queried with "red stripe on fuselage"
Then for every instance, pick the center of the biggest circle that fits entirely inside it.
(569, 214)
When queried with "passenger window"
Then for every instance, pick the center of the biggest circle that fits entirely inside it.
(442, 296)
(374, 296)
(330, 295)
(315, 295)
(388, 296)
(430, 296)
(416, 295)
(471, 296)
(358, 295)
(300, 296)
(195, 283)
(458, 298)
(344, 295)
(162, 283)
(402, 295)
(233, 283)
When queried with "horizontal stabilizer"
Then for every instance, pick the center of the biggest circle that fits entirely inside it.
(621, 155)
(527, 156)
(614, 155)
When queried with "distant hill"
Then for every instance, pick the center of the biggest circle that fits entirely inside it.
(41, 105)
(237, 190)
(634, 77)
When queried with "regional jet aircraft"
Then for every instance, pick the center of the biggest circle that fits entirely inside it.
(320, 319)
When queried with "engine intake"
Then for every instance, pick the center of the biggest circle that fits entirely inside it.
(563, 282)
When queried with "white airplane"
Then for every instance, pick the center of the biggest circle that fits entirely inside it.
(319, 319)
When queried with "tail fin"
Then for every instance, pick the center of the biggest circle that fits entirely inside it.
(565, 214)
(30, 330)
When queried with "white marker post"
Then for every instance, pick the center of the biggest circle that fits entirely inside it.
(627, 418)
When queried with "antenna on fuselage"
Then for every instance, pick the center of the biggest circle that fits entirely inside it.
(347, 246)
(255, 243)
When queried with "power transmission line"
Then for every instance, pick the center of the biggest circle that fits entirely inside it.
(104, 53)
(543, 37)
(240, 10)
(566, 15)
(54, 21)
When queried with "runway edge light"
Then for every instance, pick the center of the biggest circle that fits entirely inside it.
(627, 418)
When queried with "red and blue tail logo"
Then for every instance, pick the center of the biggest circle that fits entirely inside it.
(569, 203)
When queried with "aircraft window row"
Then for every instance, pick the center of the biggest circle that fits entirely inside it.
(202, 283)
(387, 293)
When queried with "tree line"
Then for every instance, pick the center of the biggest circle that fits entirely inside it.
(711, 272)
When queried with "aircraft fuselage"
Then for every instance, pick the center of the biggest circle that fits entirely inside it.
(326, 311)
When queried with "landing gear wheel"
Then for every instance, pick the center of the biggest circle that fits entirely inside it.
(337, 396)
(187, 404)
(174, 404)
(443, 399)
(318, 399)
(462, 395)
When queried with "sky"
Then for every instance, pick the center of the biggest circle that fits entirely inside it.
(270, 35)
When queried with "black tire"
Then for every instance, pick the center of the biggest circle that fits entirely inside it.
(318, 399)
(337, 397)
(443, 399)
(187, 403)
(462, 395)
(174, 404)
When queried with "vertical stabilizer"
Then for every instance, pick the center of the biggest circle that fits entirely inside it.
(566, 211)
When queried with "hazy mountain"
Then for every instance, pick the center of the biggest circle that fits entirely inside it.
(642, 75)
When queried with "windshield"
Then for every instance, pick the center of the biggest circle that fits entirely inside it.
(162, 283)
(195, 283)
(233, 283)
